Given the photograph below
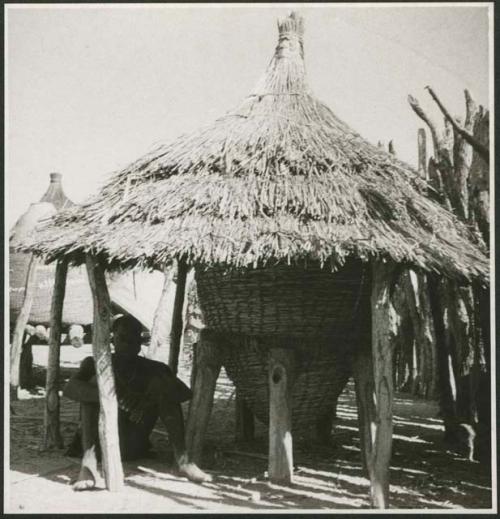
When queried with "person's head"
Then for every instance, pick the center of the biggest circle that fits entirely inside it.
(127, 335)
(76, 335)
(42, 333)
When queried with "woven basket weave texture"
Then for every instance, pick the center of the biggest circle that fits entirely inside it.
(321, 375)
(283, 300)
(322, 316)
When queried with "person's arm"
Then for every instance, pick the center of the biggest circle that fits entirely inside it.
(82, 386)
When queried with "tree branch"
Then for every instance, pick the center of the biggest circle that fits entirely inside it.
(427, 120)
(482, 151)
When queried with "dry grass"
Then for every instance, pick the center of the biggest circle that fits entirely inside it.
(278, 179)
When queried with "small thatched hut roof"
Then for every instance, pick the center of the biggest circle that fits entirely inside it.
(55, 193)
(278, 179)
(133, 293)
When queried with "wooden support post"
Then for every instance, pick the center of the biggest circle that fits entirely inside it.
(446, 399)
(208, 365)
(108, 415)
(281, 377)
(177, 326)
(374, 387)
(21, 322)
(245, 427)
(160, 331)
(422, 153)
(52, 434)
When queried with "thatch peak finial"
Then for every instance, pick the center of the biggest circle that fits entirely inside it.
(290, 40)
(291, 24)
(56, 178)
(286, 71)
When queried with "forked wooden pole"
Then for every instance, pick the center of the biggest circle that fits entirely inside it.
(52, 434)
(374, 387)
(108, 415)
(177, 326)
(21, 322)
(281, 377)
(208, 365)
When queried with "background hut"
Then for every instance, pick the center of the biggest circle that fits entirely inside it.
(78, 308)
(135, 293)
(295, 226)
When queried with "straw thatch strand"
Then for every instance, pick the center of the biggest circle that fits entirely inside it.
(278, 179)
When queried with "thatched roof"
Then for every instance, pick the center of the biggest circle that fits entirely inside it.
(132, 292)
(279, 178)
(55, 193)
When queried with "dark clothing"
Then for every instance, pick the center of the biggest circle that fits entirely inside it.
(138, 381)
(26, 365)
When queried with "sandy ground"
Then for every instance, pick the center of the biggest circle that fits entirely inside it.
(424, 474)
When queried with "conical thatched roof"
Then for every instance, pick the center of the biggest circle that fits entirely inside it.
(133, 293)
(55, 193)
(279, 178)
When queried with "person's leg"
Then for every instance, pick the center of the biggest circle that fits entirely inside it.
(89, 475)
(171, 416)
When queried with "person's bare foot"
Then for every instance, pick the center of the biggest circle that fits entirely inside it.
(194, 473)
(87, 479)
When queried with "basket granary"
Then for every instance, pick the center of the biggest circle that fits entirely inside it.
(318, 314)
(294, 225)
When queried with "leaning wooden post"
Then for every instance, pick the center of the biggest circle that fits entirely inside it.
(208, 365)
(52, 434)
(108, 416)
(158, 347)
(374, 386)
(177, 326)
(21, 322)
(281, 375)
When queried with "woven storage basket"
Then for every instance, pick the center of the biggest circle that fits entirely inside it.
(322, 373)
(282, 300)
(321, 315)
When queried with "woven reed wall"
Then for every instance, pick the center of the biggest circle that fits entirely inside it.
(321, 315)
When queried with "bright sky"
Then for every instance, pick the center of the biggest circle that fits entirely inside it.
(91, 88)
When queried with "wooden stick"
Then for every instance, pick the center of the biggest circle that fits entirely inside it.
(108, 416)
(374, 387)
(422, 153)
(21, 322)
(52, 433)
(436, 141)
(481, 150)
(158, 346)
(281, 375)
(177, 326)
(208, 365)
(384, 330)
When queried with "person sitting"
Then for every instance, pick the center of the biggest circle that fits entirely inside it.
(146, 390)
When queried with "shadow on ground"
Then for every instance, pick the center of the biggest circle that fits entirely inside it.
(423, 473)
